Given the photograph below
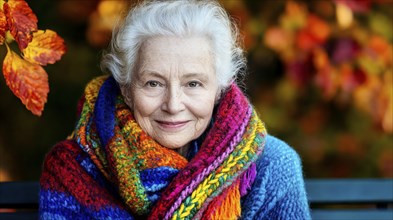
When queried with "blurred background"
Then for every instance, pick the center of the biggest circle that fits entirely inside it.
(320, 74)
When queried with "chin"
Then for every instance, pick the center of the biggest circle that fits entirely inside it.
(173, 146)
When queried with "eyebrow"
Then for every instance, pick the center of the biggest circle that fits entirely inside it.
(150, 73)
(197, 75)
(203, 76)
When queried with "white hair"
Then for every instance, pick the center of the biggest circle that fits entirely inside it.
(179, 18)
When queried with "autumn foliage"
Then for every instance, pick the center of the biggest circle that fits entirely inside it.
(348, 62)
(24, 73)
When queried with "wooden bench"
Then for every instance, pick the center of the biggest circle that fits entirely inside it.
(333, 199)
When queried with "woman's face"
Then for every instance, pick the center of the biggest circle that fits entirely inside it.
(174, 89)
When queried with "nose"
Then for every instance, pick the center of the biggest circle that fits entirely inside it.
(173, 102)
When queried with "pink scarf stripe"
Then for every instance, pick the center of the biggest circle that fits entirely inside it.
(234, 104)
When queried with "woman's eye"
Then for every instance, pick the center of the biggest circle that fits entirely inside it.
(153, 83)
(194, 84)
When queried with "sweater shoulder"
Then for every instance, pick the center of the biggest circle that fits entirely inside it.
(279, 181)
(278, 156)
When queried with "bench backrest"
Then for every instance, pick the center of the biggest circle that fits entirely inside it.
(350, 198)
(329, 199)
(19, 200)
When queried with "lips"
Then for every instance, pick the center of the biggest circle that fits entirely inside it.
(171, 125)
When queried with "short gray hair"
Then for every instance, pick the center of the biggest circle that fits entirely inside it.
(179, 18)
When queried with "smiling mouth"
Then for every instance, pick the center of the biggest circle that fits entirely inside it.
(169, 125)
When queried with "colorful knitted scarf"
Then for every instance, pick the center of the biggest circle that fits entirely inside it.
(158, 183)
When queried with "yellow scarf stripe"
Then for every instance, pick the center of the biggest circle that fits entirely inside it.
(91, 90)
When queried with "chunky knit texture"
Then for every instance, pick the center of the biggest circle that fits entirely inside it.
(110, 169)
(118, 171)
(277, 192)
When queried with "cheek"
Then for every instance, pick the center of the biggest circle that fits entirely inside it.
(143, 110)
(145, 107)
(203, 107)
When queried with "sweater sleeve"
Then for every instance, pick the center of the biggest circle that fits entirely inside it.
(71, 187)
(278, 191)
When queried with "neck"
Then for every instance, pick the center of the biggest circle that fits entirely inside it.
(183, 150)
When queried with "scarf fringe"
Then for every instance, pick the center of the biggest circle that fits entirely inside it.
(247, 179)
(230, 207)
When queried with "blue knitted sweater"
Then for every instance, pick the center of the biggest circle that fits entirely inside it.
(278, 191)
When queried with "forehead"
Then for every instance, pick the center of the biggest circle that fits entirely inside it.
(174, 49)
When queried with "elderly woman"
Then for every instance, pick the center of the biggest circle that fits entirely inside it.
(169, 134)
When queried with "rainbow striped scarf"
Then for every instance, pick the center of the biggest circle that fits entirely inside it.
(157, 182)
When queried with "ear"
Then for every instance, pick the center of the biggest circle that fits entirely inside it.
(126, 93)
(218, 95)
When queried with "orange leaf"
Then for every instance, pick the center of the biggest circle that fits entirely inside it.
(46, 47)
(21, 21)
(29, 82)
(3, 27)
